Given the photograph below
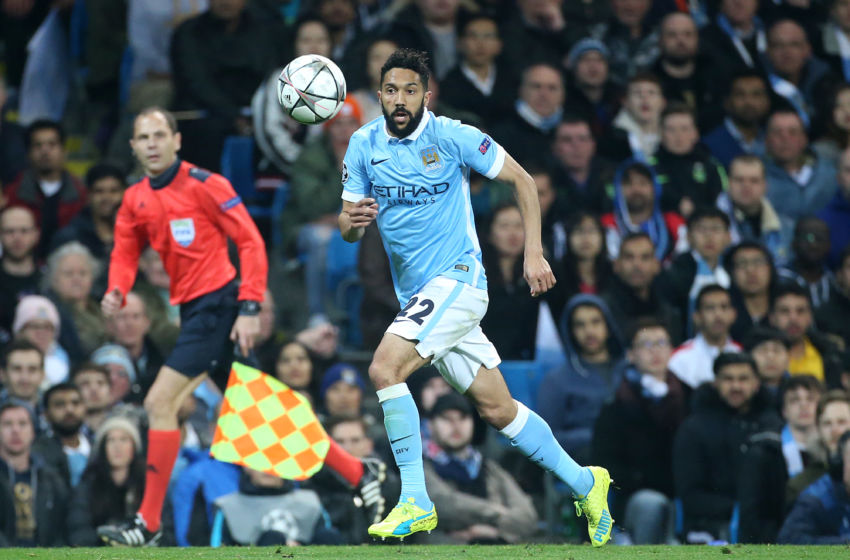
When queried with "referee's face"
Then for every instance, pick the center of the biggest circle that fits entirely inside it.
(403, 101)
(154, 143)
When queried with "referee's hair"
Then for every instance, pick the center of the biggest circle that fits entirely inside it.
(168, 115)
(409, 59)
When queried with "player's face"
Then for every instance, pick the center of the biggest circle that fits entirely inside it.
(94, 387)
(18, 233)
(589, 329)
(715, 315)
(736, 383)
(403, 100)
(16, 431)
(23, 374)
(351, 437)
(772, 360)
(679, 134)
(834, 421)
(799, 406)
(73, 278)
(294, 366)
(154, 144)
(120, 448)
(452, 430)
(747, 184)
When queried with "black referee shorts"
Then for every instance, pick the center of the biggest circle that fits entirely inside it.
(203, 344)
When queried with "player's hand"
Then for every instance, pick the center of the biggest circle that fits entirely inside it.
(245, 331)
(538, 274)
(363, 212)
(111, 303)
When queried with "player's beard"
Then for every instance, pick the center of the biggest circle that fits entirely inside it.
(412, 121)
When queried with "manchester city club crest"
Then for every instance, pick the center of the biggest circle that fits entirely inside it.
(431, 158)
(183, 231)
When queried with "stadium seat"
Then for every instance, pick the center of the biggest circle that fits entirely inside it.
(237, 164)
(523, 378)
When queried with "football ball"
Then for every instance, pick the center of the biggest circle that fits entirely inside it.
(311, 89)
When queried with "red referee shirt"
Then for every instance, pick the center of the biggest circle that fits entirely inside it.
(187, 214)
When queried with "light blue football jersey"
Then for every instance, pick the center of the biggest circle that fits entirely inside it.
(421, 185)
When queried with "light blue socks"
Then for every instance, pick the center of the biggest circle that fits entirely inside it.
(532, 435)
(401, 419)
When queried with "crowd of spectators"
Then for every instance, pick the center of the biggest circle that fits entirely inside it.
(692, 161)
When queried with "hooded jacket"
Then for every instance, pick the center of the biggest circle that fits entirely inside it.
(570, 397)
(708, 452)
(50, 503)
(666, 229)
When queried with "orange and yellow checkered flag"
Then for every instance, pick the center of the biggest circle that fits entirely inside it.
(269, 427)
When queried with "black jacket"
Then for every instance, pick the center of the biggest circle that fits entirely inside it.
(761, 489)
(51, 506)
(707, 455)
(525, 142)
(593, 197)
(627, 307)
(600, 114)
(633, 437)
(697, 175)
(832, 316)
(457, 91)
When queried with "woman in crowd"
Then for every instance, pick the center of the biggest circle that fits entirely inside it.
(585, 266)
(294, 367)
(836, 137)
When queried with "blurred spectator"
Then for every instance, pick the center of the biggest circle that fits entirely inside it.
(294, 367)
(130, 328)
(22, 374)
(71, 270)
(835, 38)
(37, 322)
(94, 225)
(581, 176)
(770, 349)
(811, 352)
(634, 291)
(279, 137)
(34, 497)
(538, 32)
(798, 181)
(690, 177)
(311, 214)
(479, 83)
(713, 315)
(794, 73)
(340, 17)
(95, 384)
(341, 392)
(269, 340)
(710, 445)
(480, 501)
(527, 132)
(629, 36)
(19, 272)
(553, 212)
(833, 419)
(633, 436)
(772, 458)
(708, 237)
(13, 149)
(746, 105)
(637, 207)
(512, 321)
(832, 316)
(152, 284)
(377, 53)
(836, 213)
(66, 447)
(821, 514)
(592, 92)
(380, 304)
(637, 127)
(269, 510)
(836, 138)
(112, 485)
(46, 187)
(810, 247)
(123, 383)
(736, 39)
(585, 265)
(751, 215)
(753, 283)
(570, 398)
(686, 76)
(430, 26)
(237, 50)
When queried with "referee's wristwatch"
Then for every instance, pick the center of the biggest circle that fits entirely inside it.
(249, 308)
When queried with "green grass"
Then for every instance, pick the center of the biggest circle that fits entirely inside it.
(405, 552)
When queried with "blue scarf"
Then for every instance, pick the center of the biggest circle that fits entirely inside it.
(450, 467)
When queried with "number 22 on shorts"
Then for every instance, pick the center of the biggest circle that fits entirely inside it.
(426, 305)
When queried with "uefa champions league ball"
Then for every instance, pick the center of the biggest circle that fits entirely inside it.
(311, 89)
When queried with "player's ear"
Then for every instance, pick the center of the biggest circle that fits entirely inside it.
(427, 98)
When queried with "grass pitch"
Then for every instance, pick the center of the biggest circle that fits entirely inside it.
(405, 552)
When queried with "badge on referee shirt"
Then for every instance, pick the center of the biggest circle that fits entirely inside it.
(183, 231)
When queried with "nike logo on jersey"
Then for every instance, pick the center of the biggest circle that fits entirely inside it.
(377, 161)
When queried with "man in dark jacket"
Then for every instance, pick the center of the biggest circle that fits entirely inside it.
(581, 176)
(633, 436)
(822, 513)
(33, 498)
(832, 317)
(710, 444)
(571, 397)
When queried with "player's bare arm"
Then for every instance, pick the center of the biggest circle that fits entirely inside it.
(355, 217)
(536, 269)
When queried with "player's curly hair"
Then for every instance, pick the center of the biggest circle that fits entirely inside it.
(409, 59)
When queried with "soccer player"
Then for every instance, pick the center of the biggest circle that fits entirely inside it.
(186, 213)
(410, 172)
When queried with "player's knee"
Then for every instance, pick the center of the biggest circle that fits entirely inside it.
(158, 405)
(382, 376)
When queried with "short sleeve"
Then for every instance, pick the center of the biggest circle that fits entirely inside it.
(477, 150)
(355, 181)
